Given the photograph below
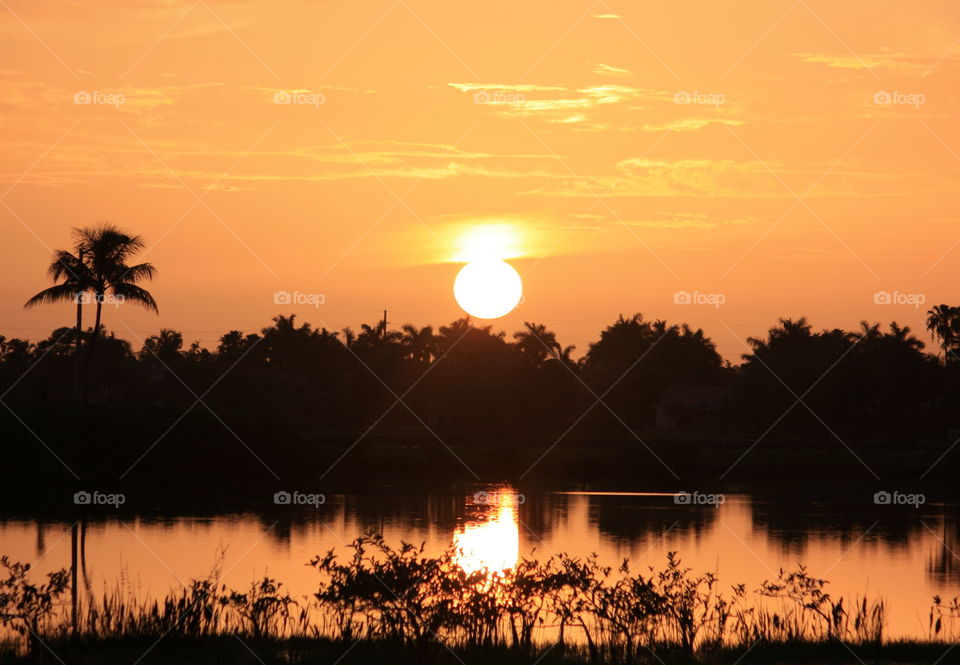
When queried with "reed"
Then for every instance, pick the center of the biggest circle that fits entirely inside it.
(406, 598)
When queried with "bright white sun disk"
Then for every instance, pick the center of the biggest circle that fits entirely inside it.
(488, 288)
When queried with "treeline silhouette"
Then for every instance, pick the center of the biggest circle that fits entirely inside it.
(465, 379)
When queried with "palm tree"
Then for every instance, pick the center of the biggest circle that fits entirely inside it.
(349, 337)
(943, 322)
(106, 250)
(378, 334)
(536, 343)
(419, 344)
(566, 356)
(98, 265)
(75, 281)
(166, 345)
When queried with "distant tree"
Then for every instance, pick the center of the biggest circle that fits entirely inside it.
(478, 380)
(60, 343)
(566, 355)
(377, 339)
(536, 343)
(943, 322)
(166, 345)
(635, 360)
(15, 350)
(115, 365)
(793, 362)
(287, 344)
(234, 344)
(892, 378)
(419, 344)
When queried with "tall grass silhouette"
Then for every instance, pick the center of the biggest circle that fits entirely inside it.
(405, 597)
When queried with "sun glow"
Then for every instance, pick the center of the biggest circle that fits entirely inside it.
(490, 538)
(488, 241)
(488, 287)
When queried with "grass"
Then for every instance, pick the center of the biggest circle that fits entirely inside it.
(224, 649)
(380, 603)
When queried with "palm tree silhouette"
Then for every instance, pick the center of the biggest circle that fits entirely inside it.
(537, 344)
(943, 322)
(99, 266)
(75, 281)
(165, 345)
(420, 344)
(566, 356)
(378, 334)
(106, 251)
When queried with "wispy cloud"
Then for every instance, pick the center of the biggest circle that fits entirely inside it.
(605, 106)
(688, 220)
(561, 105)
(506, 87)
(610, 70)
(892, 61)
(690, 124)
(716, 178)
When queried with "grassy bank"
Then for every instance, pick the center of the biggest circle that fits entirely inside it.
(229, 650)
(378, 603)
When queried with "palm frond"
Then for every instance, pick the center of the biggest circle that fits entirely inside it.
(135, 294)
(139, 272)
(106, 245)
(67, 267)
(53, 294)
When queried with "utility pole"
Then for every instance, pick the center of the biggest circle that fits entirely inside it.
(383, 325)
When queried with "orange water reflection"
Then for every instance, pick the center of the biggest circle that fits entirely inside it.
(903, 556)
(489, 536)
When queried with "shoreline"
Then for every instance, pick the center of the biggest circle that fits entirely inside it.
(253, 651)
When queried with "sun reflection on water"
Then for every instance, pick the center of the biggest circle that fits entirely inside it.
(489, 537)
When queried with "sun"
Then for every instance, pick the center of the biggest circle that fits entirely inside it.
(488, 288)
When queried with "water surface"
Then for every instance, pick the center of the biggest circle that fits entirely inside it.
(906, 555)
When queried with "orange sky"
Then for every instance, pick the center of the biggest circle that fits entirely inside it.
(786, 183)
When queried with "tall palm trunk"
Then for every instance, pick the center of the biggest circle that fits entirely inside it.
(90, 346)
(76, 352)
(74, 537)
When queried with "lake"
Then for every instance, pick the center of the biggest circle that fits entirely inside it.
(903, 553)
